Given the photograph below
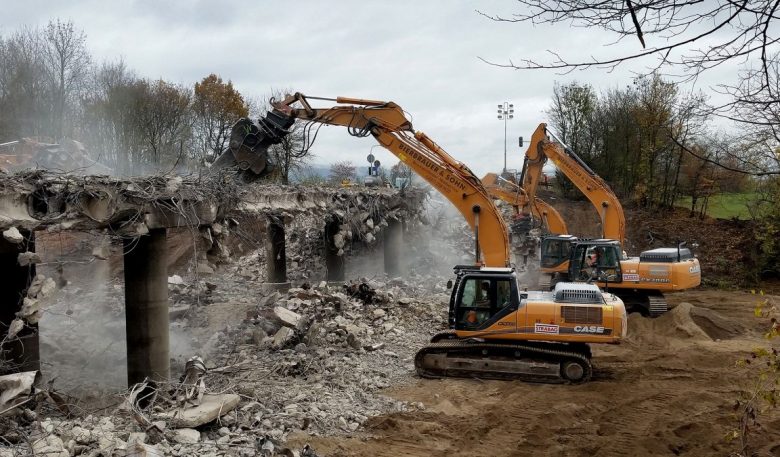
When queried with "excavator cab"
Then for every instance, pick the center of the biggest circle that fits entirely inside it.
(482, 296)
(596, 260)
(556, 250)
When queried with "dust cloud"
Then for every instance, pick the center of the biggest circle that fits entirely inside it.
(82, 332)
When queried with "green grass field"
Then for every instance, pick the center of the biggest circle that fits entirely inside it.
(725, 206)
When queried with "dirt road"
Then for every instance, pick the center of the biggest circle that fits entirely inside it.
(668, 391)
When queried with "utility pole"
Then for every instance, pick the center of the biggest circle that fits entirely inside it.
(506, 111)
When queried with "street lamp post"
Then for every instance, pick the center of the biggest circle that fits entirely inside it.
(506, 111)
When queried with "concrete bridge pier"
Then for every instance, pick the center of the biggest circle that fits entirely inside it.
(393, 244)
(20, 353)
(146, 307)
(275, 252)
(334, 263)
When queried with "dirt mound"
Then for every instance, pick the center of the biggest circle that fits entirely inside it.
(715, 325)
(683, 322)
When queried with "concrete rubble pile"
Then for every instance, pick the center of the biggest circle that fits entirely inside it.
(312, 360)
(316, 358)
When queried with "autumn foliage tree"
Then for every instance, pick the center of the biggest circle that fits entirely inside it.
(216, 106)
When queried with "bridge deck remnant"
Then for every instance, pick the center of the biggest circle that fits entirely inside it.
(139, 211)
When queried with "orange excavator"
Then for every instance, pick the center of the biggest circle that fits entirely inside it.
(517, 197)
(640, 281)
(529, 221)
(495, 329)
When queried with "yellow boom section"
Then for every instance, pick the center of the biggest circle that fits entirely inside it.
(386, 122)
(541, 148)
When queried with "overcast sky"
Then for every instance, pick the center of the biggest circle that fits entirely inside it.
(422, 55)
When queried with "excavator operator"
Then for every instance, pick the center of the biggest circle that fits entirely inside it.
(481, 303)
(595, 262)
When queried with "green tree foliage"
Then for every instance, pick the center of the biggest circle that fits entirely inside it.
(572, 114)
(626, 136)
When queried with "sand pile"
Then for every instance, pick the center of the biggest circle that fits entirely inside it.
(683, 322)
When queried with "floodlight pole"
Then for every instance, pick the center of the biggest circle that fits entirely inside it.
(506, 111)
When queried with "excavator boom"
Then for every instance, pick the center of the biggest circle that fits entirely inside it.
(386, 122)
(541, 148)
(514, 195)
(495, 330)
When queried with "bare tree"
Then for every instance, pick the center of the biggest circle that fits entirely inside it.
(403, 172)
(683, 38)
(693, 36)
(107, 126)
(23, 87)
(67, 64)
(342, 171)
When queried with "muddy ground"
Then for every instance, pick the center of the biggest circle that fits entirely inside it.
(668, 391)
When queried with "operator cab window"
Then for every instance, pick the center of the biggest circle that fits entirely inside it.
(482, 299)
(601, 262)
(554, 252)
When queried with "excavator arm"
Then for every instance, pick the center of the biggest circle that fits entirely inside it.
(541, 148)
(514, 195)
(386, 122)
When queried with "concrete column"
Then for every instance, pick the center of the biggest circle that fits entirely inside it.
(393, 243)
(333, 262)
(20, 353)
(146, 307)
(276, 257)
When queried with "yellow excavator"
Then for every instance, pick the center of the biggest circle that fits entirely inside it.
(495, 329)
(640, 281)
(511, 193)
(529, 221)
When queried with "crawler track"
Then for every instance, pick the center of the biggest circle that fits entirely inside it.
(531, 362)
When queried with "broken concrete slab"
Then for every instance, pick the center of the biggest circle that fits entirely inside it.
(50, 446)
(136, 449)
(41, 287)
(282, 337)
(13, 235)
(186, 436)
(287, 318)
(28, 258)
(177, 312)
(16, 387)
(210, 408)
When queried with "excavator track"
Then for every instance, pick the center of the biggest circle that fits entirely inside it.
(504, 360)
(656, 305)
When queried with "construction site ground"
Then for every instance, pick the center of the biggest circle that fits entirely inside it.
(669, 390)
(345, 384)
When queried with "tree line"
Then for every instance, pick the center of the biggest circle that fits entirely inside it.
(652, 143)
(52, 88)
